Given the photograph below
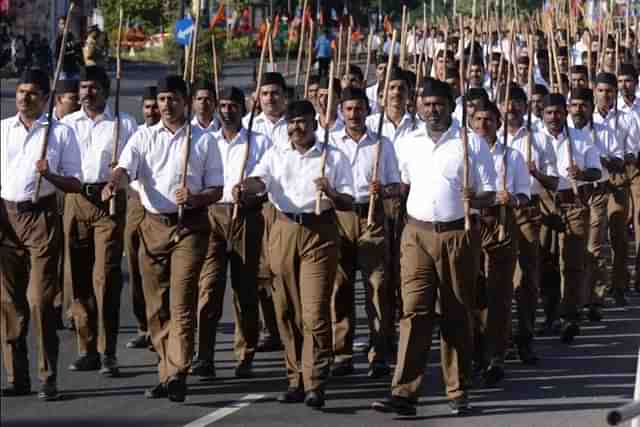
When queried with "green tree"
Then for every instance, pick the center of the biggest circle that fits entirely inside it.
(152, 14)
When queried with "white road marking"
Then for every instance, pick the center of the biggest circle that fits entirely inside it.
(219, 414)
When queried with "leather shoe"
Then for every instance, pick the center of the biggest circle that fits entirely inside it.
(595, 313)
(292, 395)
(109, 367)
(569, 331)
(619, 298)
(395, 404)
(157, 392)
(527, 354)
(177, 388)
(244, 370)
(140, 341)
(48, 392)
(378, 369)
(204, 368)
(86, 362)
(19, 389)
(342, 369)
(493, 375)
(314, 399)
(269, 344)
(460, 406)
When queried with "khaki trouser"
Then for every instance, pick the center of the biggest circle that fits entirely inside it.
(527, 273)
(170, 273)
(618, 210)
(436, 265)
(635, 212)
(304, 259)
(394, 222)
(63, 297)
(595, 274)
(569, 251)
(29, 251)
(94, 244)
(360, 248)
(135, 215)
(265, 276)
(498, 266)
(243, 261)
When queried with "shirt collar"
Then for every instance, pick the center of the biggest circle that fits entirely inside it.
(40, 121)
(343, 136)
(238, 139)
(160, 127)
(316, 147)
(107, 114)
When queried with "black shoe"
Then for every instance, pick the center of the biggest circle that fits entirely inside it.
(569, 331)
(395, 404)
(292, 395)
(269, 344)
(109, 367)
(86, 362)
(157, 392)
(378, 369)
(493, 375)
(619, 298)
(527, 354)
(204, 369)
(48, 392)
(140, 341)
(342, 369)
(460, 406)
(594, 314)
(59, 322)
(244, 370)
(19, 389)
(177, 388)
(314, 399)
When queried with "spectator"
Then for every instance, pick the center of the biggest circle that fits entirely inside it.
(323, 52)
(72, 54)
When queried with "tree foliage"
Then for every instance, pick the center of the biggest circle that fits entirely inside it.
(151, 14)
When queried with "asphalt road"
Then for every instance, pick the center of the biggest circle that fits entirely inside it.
(573, 385)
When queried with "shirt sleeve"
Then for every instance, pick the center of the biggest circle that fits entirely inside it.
(213, 168)
(70, 163)
(130, 157)
(632, 137)
(263, 168)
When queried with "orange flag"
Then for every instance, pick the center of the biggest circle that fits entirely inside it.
(220, 18)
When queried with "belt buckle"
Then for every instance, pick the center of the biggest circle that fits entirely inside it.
(437, 227)
(166, 220)
(89, 190)
(298, 219)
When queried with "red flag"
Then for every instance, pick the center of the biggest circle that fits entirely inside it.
(307, 17)
(220, 18)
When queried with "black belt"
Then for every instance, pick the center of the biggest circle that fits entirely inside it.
(361, 209)
(599, 186)
(171, 219)
(490, 211)
(438, 227)
(93, 192)
(43, 204)
(325, 217)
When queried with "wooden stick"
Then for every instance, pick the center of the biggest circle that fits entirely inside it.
(530, 89)
(116, 127)
(300, 46)
(505, 109)
(383, 107)
(403, 36)
(52, 97)
(309, 58)
(589, 59)
(327, 117)
(366, 68)
(339, 61)
(348, 58)
(574, 185)
(272, 65)
(617, 53)
(216, 80)
(465, 147)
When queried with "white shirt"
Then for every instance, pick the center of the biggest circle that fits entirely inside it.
(435, 172)
(96, 141)
(585, 154)
(289, 176)
(389, 130)
(517, 170)
(542, 154)
(320, 131)
(602, 136)
(362, 156)
(154, 158)
(233, 153)
(372, 95)
(627, 133)
(275, 132)
(20, 149)
(213, 125)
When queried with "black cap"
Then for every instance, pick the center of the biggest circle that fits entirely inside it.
(437, 88)
(555, 99)
(300, 108)
(355, 70)
(451, 73)
(204, 84)
(495, 56)
(36, 77)
(563, 51)
(539, 89)
(579, 69)
(517, 93)
(486, 105)
(274, 79)
(232, 94)
(67, 86)
(582, 93)
(314, 79)
(628, 70)
(607, 78)
(397, 74)
(354, 93)
(95, 73)
(172, 83)
(150, 92)
(475, 93)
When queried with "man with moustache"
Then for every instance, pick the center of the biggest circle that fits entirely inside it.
(476, 71)
(353, 77)
(543, 179)
(537, 106)
(579, 77)
(30, 234)
(204, 106)
(438, 257)
(66, 99)
(270, 122)
(499, 252)
(241, 234)
(362, 247)
(172, 250)
(626, 135)
(135, 214)
(94, 238)
(569, 254)
(303, 247)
